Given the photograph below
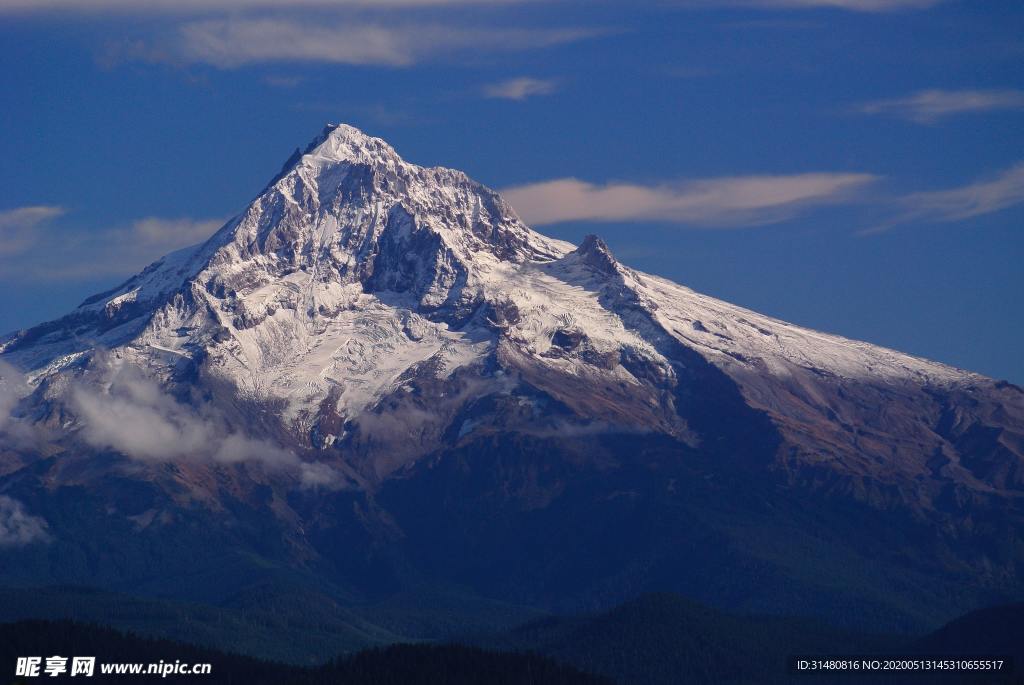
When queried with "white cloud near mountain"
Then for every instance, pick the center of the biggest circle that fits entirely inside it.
(17, 527)
(12, 389)
(929, 106)
(163, 233)
(19, 226)
(16, 432)
(715, 202)
(123, 410)
(520, 88)
(32, 248)
(133, 415)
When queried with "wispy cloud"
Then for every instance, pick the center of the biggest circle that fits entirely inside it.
(17, 527)
(131, 414)
(40, 252)
(929, 106)
(520, 88)
(15, 432)
(12, 389)
(19, 226)
(227, 43)
(218, 6)
(234, 33)
(850, 5)
(120, 408)
(729, 201)
(231, 6)
(159, 233)
(1002, 191)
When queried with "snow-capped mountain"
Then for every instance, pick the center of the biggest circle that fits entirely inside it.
(372, 330)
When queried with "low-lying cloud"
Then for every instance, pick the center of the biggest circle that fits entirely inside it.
(716, 202)
(133, 415)
(930, 106)
(17, 527)
(16, 433)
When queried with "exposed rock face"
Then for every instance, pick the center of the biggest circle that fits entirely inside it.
(392, 371)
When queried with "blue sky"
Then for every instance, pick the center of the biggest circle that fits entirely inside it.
(855, 166)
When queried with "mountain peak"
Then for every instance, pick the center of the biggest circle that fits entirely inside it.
(594, 252)
(346, 143)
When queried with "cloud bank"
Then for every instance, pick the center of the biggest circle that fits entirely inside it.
(717, 202)
(17, 527)
(131, 414)
(929, 106)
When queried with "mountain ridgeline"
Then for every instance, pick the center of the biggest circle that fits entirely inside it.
(376, 378)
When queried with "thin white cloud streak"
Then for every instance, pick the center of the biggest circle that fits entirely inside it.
(219, 6)
(520, 88)
(929, 106)
(984, 197)
(133, 415)
(17, 527)
(18, 226)
(849, 5)
(988, 196)
(230, 6)
(41, 254)
(718, 202)
(164, 233)
(227, 43)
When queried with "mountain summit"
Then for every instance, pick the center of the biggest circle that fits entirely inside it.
(382, 365)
